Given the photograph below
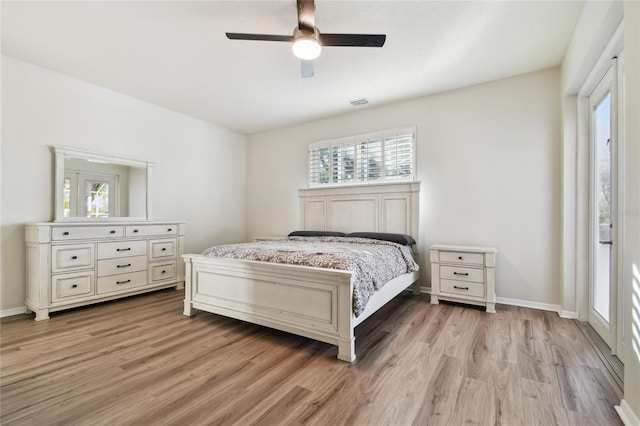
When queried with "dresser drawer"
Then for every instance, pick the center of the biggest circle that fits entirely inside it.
(121, 249)
(163, 272)
(121, 282)
(146, 230)
(75, 256)
(70, 286)
(462, 288)
(460, 273)
(162, 249)
(121, 265)
(61, 233)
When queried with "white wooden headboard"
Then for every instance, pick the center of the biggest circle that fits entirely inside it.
(389, 207)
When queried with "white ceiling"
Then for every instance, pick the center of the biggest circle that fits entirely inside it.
(175, 53)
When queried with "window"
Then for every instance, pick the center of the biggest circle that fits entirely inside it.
(90, 194)
(386, 155)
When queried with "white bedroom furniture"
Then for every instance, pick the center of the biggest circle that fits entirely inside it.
(76, 264)
(308, 301)
(463, 274)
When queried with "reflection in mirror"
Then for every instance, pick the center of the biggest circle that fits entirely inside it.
(99, 186)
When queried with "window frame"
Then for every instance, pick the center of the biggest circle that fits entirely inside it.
(336, 148)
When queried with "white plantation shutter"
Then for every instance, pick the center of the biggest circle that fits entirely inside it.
(364, 158)
(398, 156)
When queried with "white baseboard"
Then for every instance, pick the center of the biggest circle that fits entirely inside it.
(537, 305)
(13, 311)
(626, 414)
(525, 304)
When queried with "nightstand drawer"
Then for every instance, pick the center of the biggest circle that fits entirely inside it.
(460, 273)
(462, 288)
(462, 257)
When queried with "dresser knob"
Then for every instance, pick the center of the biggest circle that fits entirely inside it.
(164, 272)
(135, 231)
(460, 257)
(65, 233)
(164, 249)
(74, 285)
(112, 232)
(74, 257)
(170, 229)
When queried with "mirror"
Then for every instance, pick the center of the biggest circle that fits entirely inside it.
(90, 186)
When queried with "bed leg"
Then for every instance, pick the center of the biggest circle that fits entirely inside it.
(188, 308)
(347, 349)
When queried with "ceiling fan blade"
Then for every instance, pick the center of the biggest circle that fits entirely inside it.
(357, 40)
(259, 37)
(306, 15)
(307, 68)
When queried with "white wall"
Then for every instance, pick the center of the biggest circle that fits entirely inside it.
(199, 173)
(488, 160)
(631, 260)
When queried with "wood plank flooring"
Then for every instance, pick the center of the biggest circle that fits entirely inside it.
(139, 361)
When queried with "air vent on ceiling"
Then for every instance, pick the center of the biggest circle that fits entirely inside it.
(359, 102)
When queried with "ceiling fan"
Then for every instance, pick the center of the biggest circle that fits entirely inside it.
(308, 41)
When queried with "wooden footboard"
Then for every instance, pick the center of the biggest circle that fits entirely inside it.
(308, 301)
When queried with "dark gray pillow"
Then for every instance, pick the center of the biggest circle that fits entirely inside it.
(317, 234)
(403, 239)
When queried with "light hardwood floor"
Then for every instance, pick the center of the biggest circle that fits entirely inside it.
(139, 361)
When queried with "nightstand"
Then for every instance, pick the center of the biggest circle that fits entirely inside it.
(463, 274)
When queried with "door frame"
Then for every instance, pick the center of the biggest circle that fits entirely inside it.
(583, 220)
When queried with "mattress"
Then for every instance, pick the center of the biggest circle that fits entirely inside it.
(372, 263)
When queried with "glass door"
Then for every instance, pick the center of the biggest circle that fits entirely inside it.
(602, 312)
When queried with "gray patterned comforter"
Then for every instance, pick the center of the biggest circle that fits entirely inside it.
(372, 262)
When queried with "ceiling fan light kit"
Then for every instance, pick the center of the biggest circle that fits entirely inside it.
(306, 45)
(307, 40)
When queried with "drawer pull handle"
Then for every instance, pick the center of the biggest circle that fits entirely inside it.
(123, 282)
(461, 273)
(135, 230)
(460, 288)
(164, 272)
(65, 233)
(74, 285)
(74, 257)
(123, 266)
(460, 258)
(164, 249)
(127, 249)
(170, 229)
(112, 232)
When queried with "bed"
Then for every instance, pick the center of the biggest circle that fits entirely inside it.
(306, 300)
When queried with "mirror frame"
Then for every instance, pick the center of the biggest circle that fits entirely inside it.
(62, 152)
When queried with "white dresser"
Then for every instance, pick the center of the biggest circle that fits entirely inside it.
(463, 274)
(76, 264)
